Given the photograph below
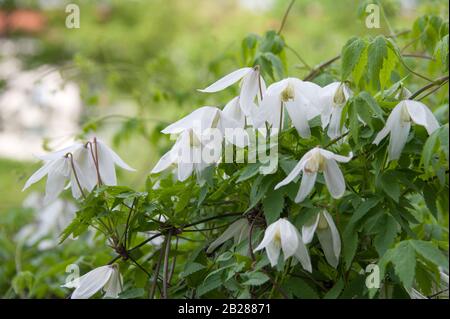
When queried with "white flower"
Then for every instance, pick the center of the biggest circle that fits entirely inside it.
(315, 161)
(238, 230)
(398, 125)
(253, 85)
(323, 225)
(297, 97)
(107, 159)
(106, 277)
(332, 100)
(185, 156)
(76, 164)
(282, 235)
(58, 168)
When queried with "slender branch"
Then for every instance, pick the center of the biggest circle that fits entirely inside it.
(166, 265)
(437, 294)
(127, 225)
(140, 266)
(316, 70)
(298, 57)
(72, 164)
(155, 279)
(414, 72)
(337, 139)
(172, 266)
(285, 16)
(436, 82)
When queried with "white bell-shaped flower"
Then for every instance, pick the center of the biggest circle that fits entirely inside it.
(315, 161)
(252, 87)
(323, 225)
(297, 97)
(106, 277)
(282, 235)
(399, 122)
(332, 101)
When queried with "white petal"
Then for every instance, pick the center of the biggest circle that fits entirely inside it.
(309, 229)
(309, 93)
(273, 252)
(227, 80)
(339, 158)
(269, 235)
(61, 153)
(269, 112)
(422, 115)
(39, 174)
(306, 186)
(393, 119)
(165, 162)
(114, 285)
(295, 172)
(302, 254)
(297, 111)
(330, 240)
(289, 238)
(334, 178)
(398, 138)
(106, 165)
(92, 282)
(334, 128)
(85, 162)
(185, 170)
(116, 158)
(230, 232)
(55, 184)
(201, 119)
(234, 111)
(249, 90)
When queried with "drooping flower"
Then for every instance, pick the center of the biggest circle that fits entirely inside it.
(399, 122)
(239, 230)
(253, 86)
(59, 167)
(297, 97)
(323, 225)
(332, 101)
(316, 161)
(107, 278)
(76, 164)
(282, 235)
(186, 156)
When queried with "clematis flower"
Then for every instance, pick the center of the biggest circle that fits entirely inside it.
(253, 86)
(76, 165)
(323, 225)
(294, 95)
(185, 156)
(399, 122)
(59, 167)
(107, 278)
(315, 161)
(238, 230)
(282, 235)
(107, 159)
(332, 101)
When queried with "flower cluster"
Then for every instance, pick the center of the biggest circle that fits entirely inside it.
(268, 110)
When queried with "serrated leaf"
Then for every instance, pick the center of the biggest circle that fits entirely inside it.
(387, 229)
(404, 260)
(273, 205)
(351, 54)
(428, 251)
(256, 279)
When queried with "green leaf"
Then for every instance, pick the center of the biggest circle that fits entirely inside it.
(273, 205)
(404, 260)
(388, 66)
(351, 54)
(441, 53)
(256, 279)
(387, 229)
(334, 292)
(390, 185)
(429, 149)
(350, 244)
(132, 293)
(191, 268)
(300, 288)
(377, 53)
(428, 251)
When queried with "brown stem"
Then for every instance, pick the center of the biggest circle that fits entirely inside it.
(155, 278)
(285, 16)
(438, 81)
(315, 71)
(172, 266)
(166, 265)
(74, 171)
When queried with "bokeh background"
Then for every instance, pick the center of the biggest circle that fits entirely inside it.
(132, 67)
